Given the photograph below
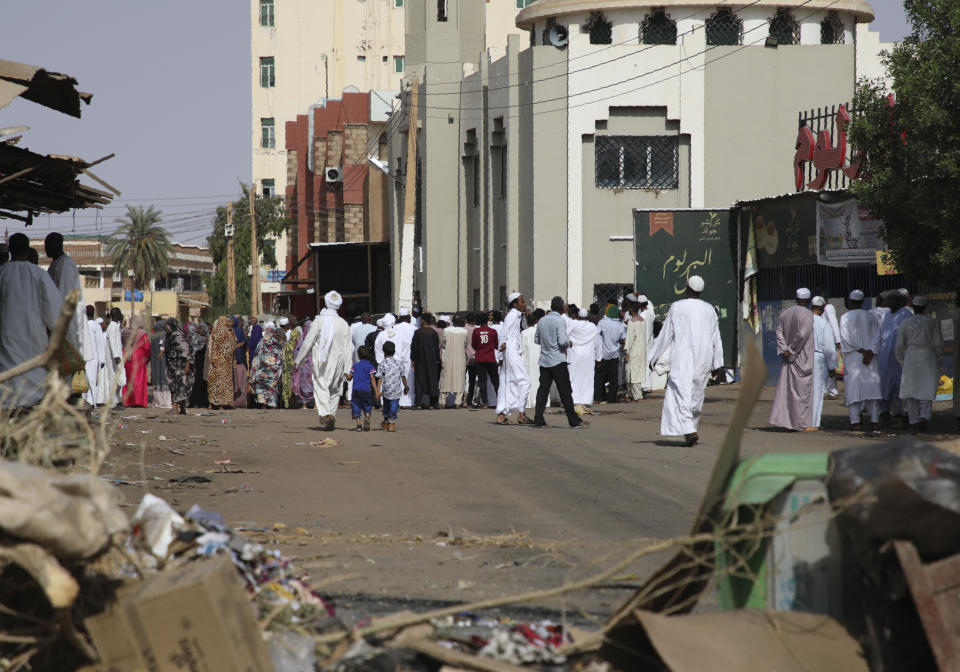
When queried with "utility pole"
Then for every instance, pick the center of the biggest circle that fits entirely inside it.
(228, 231)
(405, 295)
(255, 299)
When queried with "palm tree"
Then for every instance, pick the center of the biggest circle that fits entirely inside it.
(141, 244)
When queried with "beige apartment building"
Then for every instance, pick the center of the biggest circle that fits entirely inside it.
(304, 53)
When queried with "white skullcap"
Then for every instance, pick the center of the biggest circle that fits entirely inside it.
(919, 301)
(284, 321)
(803, 293)
(380, 323)
(333, 299)
(695, 282)
(583, 312)
(270, 323)
(404, 312)
(631, 297)
(903, 291)
(388, 320)
(513, 296)
(99, 320)
(819, 301)
(856, 295)
(642, 298)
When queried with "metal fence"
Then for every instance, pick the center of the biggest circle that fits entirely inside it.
(825, 119)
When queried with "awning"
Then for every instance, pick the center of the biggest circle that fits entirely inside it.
(50, 89)
(35, 183)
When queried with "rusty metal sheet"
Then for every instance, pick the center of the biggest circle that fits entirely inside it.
(934, 588)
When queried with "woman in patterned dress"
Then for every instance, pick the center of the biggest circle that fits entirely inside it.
(179, 366)
(266, 367)
(220, 355)
(303, 376)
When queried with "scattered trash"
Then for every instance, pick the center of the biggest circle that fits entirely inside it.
(161, 438)
(191, 479)
(346, 464)
(292, 651)
(325, 443)
(225, 421)
(157, 524)
(176, 451)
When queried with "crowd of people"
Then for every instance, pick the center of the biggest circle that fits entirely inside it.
(889, 357)
(514, 361)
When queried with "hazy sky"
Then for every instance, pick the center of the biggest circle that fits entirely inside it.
(171, 85)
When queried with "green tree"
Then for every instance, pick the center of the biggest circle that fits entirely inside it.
(141, 244)
(911, 150)
(271, 222)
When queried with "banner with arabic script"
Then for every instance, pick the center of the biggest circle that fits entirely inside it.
(672, 245)
(846, 234)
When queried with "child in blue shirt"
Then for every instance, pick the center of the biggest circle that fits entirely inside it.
(364, 382)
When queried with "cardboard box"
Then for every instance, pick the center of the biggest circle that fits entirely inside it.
(195, 619)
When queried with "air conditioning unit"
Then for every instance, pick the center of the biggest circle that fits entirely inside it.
(333, 175)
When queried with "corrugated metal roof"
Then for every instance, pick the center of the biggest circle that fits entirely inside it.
(50, 89)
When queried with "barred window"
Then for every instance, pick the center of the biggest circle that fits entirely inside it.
(268, 136)
(724, 27)
(266, 13)
(600, 30)
(831, 29)
(268, 74)
(658, 28)
(784, 27)
(637, 162)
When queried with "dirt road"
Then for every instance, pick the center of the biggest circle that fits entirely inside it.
(451, 506)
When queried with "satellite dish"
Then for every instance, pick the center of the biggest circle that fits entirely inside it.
(558, 36)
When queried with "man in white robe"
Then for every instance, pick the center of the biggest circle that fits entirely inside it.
(583, 353)
(530, 352)
(96, 376)
(30, 303)
(404, 340)
(860, 343)
(387, 333)
(331, 349)
(115, 375)
(63, 271)
(636, 353)
(453, 371)
(514, 380)
(830, 315)
(919, 347)
(824, 359)
(791, 402)
(691, 334)
(653, 380)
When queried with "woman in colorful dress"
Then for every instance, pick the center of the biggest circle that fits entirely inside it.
(288, 398)
(220, 351)
(303, 376)
(266, 368)
(135, 363)
(179, 366)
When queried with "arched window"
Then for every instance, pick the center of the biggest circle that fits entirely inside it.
(601, 30)
(724, 27)
(784, 27)
(658, 28)
(831, 29)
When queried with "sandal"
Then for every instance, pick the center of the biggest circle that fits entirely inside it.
(525, 421)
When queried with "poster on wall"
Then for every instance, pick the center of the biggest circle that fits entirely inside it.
(670, 246)
(847, 234)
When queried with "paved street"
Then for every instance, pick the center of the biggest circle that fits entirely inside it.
(451, 507)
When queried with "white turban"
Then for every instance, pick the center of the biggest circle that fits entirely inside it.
(332, 299)
(819, 301)
(380, 323)
(919, 301)
(284, 321)
(583, 312)
(631, 298)
(803, 293)
(404, 311)
(856, 295)
(388, 320)
(513, 296)
(695, 282)
(270, 323)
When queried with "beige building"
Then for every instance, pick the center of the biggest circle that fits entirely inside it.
(304, 53)
(531, 168)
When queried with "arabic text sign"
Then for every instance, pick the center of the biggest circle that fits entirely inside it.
(846, 235)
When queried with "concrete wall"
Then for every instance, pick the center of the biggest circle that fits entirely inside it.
(750, 131)
(609, 212)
